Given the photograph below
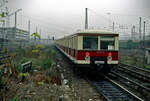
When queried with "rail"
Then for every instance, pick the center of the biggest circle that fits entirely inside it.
(134, 85)
(137, 74)
(111, 91)
(146, 71)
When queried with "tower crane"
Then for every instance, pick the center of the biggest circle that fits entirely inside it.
(3, 2)
(8, 17)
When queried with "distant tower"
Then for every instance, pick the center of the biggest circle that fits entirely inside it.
(86, 18)
(140, 30)
(133, 33)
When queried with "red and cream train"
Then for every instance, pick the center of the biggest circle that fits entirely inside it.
(91, 49)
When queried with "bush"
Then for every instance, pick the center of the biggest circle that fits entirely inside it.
(51, 53)
(46, 63)
(1, 82)
(24, 60)
(18, 67)
(17, 99)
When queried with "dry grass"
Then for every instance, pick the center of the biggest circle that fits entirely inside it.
(133, 57)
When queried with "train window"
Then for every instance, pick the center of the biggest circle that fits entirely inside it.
(90, 42)
(107, 42)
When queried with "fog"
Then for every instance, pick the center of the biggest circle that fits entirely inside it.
(63, 17)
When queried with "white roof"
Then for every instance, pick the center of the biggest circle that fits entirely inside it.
(97, 32)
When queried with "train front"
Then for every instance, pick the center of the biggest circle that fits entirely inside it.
(98, 51)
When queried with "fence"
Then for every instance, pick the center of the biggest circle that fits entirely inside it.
(12, 38)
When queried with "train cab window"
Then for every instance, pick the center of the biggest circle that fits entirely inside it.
(107, 42)
(90, 42)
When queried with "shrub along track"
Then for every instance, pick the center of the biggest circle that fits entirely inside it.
(41, 85)
(6, 68)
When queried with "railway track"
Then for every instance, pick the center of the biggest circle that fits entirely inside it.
(131, 84)
(140, 75)
(137, 69)
(135, 76)
(112, 91)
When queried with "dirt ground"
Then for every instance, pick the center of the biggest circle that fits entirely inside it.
(81, 90)
(67, 87)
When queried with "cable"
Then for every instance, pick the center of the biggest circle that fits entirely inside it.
(130, 15)
(46, 26)
(125, 26)
(47, 22)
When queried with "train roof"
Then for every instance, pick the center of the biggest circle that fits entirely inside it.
(96, 32)
(92, 32)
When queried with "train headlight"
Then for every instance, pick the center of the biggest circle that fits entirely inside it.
(87, 56)
(109, 58)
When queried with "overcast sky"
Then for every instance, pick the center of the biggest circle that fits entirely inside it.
(63, 17)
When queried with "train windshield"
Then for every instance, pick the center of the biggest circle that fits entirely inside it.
(107, 42)
(90, 42)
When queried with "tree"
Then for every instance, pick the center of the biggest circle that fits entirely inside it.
(36, 35)
(4, 14)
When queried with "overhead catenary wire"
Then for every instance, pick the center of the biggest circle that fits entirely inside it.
(119, 27)
(47, 22)
(46, 25)
(108, 19)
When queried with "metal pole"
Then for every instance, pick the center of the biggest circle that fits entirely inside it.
(113, 26)
(140, 35)
(86, 18)
(132, 32)
(36, 32)
(29, 30)
(144, 34)
(8, 18)
(29, 27)
(15, 19)
(36, 29)
(40, 34)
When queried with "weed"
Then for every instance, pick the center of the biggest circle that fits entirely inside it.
(17, 99)
(24, 60)
(46, 63)
(19, 67)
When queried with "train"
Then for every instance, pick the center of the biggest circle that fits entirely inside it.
(91, 50)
